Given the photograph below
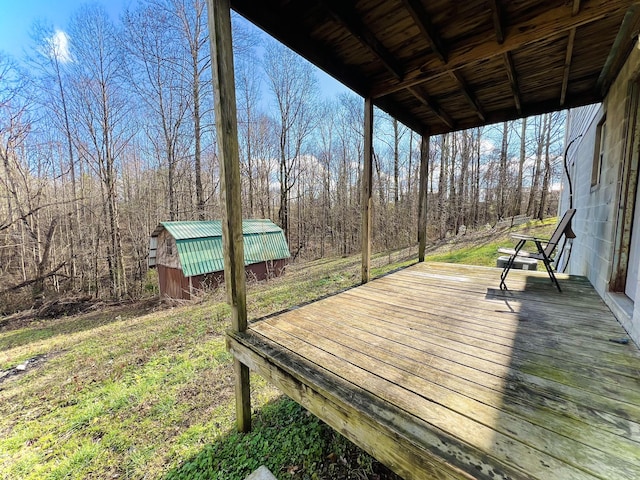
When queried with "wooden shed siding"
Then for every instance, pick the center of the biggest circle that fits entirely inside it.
(173, 283)
(163, 257)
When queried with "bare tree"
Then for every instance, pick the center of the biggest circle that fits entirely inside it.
(294, 87)
(521, 160)
(50, 59)
(191, 27)
(23, 182)
(155, 72)
(101, 111)
(540, 134)
(502, 176)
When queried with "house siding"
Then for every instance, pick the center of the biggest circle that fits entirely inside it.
(597, 206)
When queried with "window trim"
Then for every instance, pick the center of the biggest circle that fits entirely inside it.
(599, 153)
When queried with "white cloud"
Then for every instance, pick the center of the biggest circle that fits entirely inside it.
(58, 46)
(487, 146)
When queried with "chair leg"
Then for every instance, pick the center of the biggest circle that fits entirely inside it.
(505, 272)
(510, 262)
(547, 265)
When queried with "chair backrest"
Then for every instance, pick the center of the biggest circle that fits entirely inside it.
(563, 228)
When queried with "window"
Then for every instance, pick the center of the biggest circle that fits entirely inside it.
(598, 154)
(169, 246)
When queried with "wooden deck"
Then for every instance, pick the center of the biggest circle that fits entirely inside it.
(440, 375)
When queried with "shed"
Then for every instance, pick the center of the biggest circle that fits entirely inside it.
(189, 254)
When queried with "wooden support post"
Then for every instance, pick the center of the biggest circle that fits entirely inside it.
(219, 18)
(422, 199)
(367, 200)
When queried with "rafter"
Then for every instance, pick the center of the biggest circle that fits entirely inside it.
(567, 65)
(430, 103)
(473, 101)
(421, 18)
(513, 80)
(497, 20)
(629, 26)
(576, 7)
(346, 17)
(549, 24)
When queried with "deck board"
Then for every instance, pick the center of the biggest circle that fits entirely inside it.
(439, 374)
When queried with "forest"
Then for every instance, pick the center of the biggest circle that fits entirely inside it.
(107, 128)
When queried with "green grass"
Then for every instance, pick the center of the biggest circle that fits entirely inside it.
(481, 248)
(128, 392)
(128, 395)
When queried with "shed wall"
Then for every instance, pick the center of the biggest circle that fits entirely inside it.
(167, 251)
(173, 283)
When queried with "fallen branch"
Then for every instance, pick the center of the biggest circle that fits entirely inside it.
(33, 280)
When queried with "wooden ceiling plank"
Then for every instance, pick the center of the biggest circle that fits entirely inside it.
(567, 65)
(294, 36)
(513, 80)
(628, 26)
(421, 18)
(496, 15)
(346, 17)
(428, 102)
(405, 117)
(549, 24)
(473, 101)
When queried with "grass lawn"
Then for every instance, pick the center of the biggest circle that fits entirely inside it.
(146, 391)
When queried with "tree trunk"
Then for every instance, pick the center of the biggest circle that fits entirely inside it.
(547, 174)
(519, 181)
(531, 206)
(502, 176)
(197, 133)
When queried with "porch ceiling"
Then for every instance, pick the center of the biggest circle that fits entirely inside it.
(444, 65)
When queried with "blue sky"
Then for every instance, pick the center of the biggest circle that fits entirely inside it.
(18, 16)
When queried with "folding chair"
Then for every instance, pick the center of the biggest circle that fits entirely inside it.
(545, 247)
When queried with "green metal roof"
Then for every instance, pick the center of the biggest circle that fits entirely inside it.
(199, 244)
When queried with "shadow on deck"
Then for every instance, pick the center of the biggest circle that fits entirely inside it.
(440, 375)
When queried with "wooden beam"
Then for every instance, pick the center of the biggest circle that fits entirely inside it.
(619, 49)
(367, 198)
(421, 18)
(536, 108)
(567, 65)
(350, 20)
(548, 24)
(496, 15)
(428, 102)
(422, 197)
(513, 80)
(219, 19)
(576, 7)
(464, 89)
